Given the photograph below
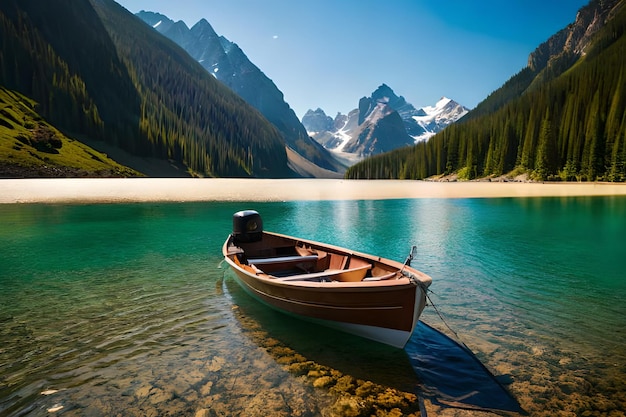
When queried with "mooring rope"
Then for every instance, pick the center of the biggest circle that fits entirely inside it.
(458, 338)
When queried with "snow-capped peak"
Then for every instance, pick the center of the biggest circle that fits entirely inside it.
(438, 107)
(446, 111)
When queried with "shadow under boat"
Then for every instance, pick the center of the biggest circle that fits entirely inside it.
(452, 376)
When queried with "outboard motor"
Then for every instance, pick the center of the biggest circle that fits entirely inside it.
(247, 226)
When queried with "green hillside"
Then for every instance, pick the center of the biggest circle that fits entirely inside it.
(98, 72)
(31, 147)
(564, 122)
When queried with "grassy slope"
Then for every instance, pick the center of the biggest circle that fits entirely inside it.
(31, 147)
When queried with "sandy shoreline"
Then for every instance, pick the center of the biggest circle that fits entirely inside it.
(96, 190)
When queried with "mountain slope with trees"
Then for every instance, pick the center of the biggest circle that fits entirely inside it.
(97, 71)
(561, 117)
(229, 64)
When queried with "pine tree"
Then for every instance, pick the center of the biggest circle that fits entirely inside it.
(544, 160)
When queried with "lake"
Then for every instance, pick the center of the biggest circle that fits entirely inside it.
(127, 309)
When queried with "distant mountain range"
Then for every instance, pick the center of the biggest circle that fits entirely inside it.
(382, 122)
(229, 64)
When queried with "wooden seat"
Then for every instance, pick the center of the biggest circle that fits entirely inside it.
(344, 275)
(283, 259)
(285, 263)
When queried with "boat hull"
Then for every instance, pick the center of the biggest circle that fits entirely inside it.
(385, 311)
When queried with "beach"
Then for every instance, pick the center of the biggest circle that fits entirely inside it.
(118, 190)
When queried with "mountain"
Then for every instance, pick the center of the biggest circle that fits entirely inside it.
(382, 122)
(229, 64)
(559, 118)
(380, 129)
(99, 74)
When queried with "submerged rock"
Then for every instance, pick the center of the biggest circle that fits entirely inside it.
(353, 397)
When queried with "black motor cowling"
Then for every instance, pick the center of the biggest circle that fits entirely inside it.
(247, 226)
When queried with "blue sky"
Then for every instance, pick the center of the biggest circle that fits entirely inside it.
(330, 53)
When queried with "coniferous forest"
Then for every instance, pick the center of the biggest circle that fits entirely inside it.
(97, 71)
(558, 124)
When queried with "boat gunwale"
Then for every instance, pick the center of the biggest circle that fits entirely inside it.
(423, 280)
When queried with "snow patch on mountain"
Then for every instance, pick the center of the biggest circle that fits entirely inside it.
(343, 136)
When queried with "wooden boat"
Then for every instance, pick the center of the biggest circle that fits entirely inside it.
(369, 296)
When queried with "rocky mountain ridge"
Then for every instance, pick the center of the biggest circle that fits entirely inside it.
(574, 39)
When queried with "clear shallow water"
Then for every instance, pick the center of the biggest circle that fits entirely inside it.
(125, 308)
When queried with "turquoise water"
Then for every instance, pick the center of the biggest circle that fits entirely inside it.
(126, 308)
